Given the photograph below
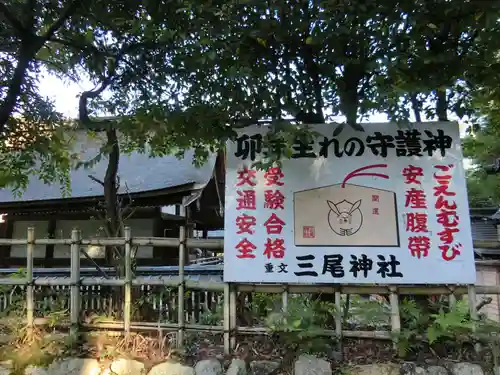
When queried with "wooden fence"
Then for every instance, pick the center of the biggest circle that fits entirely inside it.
(204, 292)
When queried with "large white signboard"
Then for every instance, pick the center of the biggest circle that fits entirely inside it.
(388, 205)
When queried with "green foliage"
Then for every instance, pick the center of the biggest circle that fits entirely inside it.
(212, 317)
(421, 329)
(264, 303)
(299, 327)
(443, 328)
(170, 86)
(450, 324)
(481, 144)
(437, 328)
(367, 313)
(15, 311)
(277, 59)
(13, 316)
(30, 151)
(483, 148)
(483, 190)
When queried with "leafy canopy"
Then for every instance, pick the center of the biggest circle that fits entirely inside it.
(177, 74)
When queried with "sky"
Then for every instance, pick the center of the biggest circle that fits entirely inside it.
(65, 95)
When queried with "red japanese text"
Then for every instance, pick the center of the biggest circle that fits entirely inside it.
(246, 199)
(419, 246)
(274, 225)
(246, 177)
(446, 212)
(246, 224)
(273, 176)
(416, 220)
(411, 174)
(245, 249)
(274, 200)
(275, 248)
(415, 198)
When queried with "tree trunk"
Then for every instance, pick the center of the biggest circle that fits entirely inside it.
(113, 225)
(416, 106)
(114, 254)
(441, 105)
(24, 58)
(348, 92)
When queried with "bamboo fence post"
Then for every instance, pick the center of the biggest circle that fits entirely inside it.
(75, 280)
(338, 319)
(232, 315)
(30, 303)
(180, 312)
(284, 299)
(395, 317)
(127, 308)
(452, 298)
(471, 295)
(227, 319)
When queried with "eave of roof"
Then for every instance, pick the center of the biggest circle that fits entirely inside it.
(140, 177)
(44, 205)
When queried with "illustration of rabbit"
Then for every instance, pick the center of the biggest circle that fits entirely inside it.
(345, 218)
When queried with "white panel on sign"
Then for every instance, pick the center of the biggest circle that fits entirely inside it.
(388, 205)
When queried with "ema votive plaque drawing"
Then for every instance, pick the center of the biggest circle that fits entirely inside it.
(346, 214)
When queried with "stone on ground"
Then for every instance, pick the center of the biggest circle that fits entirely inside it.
(237, 367)
(436, 370)
(171, 368)
(465, 368)
(310, 365)
(75, 366)
(376, 369)
(124, 366)
(208, 367)
(263, 367)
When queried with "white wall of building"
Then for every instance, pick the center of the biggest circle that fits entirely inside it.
(95, 229)
(89, 229)
(21, 231)
(487, 275)
(142, 228)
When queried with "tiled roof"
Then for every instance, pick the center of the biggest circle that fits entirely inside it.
(138, 173)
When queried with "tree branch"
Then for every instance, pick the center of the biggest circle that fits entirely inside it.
(485, 301)
(9, 17)
(75, 44)
(96, 180)
(83, 113)
(23, 62)
(30, 45)
(9, 48)
(98, 268)
(67, 12)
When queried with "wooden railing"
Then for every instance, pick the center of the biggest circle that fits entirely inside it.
(175, 308)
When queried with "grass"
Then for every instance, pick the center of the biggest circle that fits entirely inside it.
(34, 347)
